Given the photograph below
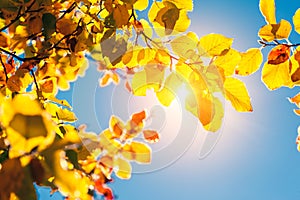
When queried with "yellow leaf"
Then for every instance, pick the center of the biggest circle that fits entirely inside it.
(141, 152)
(168, 93)
(284, 30)
(151, 77)
(214, 45)
(186, 5)
(167, 18)
(116, 126)
(236, 92)
(267, 8)
(27, 127)
(107, 142)
(185, 46)
(123, 168)
(184, 70)
(60, 113)
(279, 31)
(296, 21)
(109, 77)
(141, 5)
(228, 62)
(276, 76)
(250, 62)
(65, 179)
(60, 102)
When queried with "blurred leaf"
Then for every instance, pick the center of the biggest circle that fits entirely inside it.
(168, 93)
(49, 24)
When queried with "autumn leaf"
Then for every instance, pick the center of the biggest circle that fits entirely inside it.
(214, 45)
(151, 136)
(217, 120)
(279, 54)
(123, 168)
(267, 8)
(250, 62)
(237, 94)
(185, 46)
(137, 151)
(279, 31)
(228, 61)
(168, 93)
(276, 76)
(296, 21)
(151, 77)
(295, 100)
(120, 15)
(169, 16)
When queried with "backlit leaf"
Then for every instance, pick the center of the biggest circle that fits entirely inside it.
(296, 21)
(185, 46)
(276, 76)
(267, 8)
(123, 168)
(228, 62)
(237, 94)
(151, 136)
(217, 120)
(168, 93)
(279, 31)
(250, 62)
(214, 44)
(295, 99)
(279, 54)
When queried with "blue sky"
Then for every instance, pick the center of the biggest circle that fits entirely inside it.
(256, 155)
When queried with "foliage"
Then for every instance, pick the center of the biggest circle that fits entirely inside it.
(44, 46)
(282, 67)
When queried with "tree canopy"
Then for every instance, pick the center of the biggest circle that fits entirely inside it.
(46, 44)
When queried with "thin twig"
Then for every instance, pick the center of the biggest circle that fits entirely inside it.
(19, 15)
(4, 69)
(36, 58)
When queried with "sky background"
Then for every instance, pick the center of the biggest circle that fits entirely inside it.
(256, 155)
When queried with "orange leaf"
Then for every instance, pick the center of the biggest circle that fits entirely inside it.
(116, 126)
(151, 136)
(138, 118)
(279, 54)
(295, 100)
(103, 189)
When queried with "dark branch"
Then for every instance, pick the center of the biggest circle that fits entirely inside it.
(4, 69)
